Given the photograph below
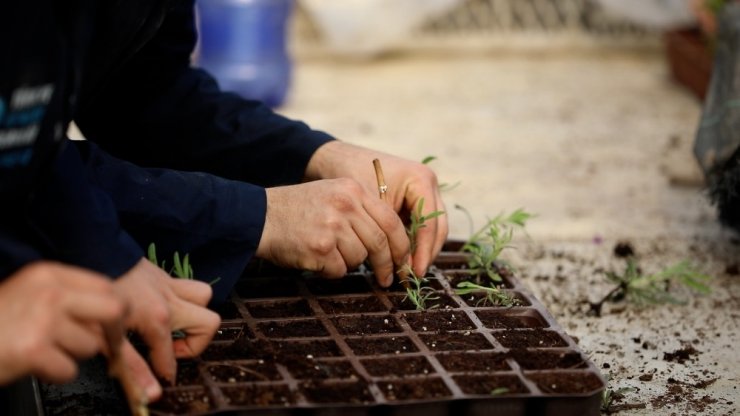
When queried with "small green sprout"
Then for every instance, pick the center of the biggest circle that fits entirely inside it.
(417, 293)
(493, 295)
(418, 220)
(181, 269)
(498, 391)
(610, 395)
(486, 245)
(654, 288)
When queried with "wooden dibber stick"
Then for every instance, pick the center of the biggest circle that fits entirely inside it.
(135, 396)
(383, 189)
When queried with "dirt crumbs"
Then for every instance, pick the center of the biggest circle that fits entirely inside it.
(681, 392)
(681, 355)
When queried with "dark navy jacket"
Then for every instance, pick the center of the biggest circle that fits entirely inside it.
(170, 159)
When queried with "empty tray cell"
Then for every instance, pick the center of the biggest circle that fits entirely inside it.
(326, 392)
(230, 333)
(381, 345)
(545, 360)
(491, 385)
(398, 367)
(259, 395)
(529, 338)
(432, 388)
(432, 321)
(452, 261)
(349, 305)
(317, 348)
(481, 300)
(228, 311)
(458, 341)
(511, 319)
(443, 301)
(310, 369)
(567, 383)
(366, 325)
(286, 309)
(305, 328)
(266, 288)
(183, 400)
(455, 277)
(347, 284)
(456, 362)
(243, 372)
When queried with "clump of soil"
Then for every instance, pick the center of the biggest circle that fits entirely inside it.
(399, 367)
(352, 305)
(290, 309)
(681, 355)
(415, 390)
(431, 321)
(366, 324)
(623, 249)
(679, 392)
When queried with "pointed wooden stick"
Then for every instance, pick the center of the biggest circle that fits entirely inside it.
(383, 189)
(117, 368)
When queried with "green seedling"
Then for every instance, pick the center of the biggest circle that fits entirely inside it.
(418, 220)
(181, 269)
(498, 391)
(609, 396)
(493, 295)
(643, 289)
(417, 293)
(487, 243)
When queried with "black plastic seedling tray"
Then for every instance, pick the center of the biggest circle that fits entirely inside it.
(296, 344)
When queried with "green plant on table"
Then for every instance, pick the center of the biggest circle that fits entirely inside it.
(416, 291)
(487, 243)
(639, 288)
(609, 396)
(492, 295)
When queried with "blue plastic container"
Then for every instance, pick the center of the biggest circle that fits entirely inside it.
(242, 44)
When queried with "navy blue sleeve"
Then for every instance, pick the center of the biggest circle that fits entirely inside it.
(157, 111)
(217, 221)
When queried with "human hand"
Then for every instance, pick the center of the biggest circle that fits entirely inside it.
(160, 304)
(408, 182)
(329, 226)
(51, 316)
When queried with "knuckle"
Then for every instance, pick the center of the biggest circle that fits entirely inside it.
(160, 315)
(323, 245)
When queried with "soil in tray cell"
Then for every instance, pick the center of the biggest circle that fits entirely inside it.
(309, 369)
(414, 390)
(228, 311)
(381, 345)
(401, 302)
(427, 321)
(398, 367)
(366, 324)
(266, 288)
(288, 309)
(544, 360)
(457, 277)
(346, 285)
(480, 300)
(318, 348)
(398, 286)
(293, 329)
(529, 338)
(183, 400)
(352, 305)
(455, 341)
(261, 395)
(500, 319)
(486, 385)
(567, 383)
(451, 261)
(230, 333)
(456, 362)
(323, 392)
(243, 372)
(187, 374)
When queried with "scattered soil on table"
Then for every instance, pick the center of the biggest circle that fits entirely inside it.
(681, 355)
(461, 341)
(485, 385)
(495, 319)
(399, 367)
(227, 311)
(366, 325)
(473, 362)
(543, 360)
(308, 369)
(346, 285)
(414, 390)
(401, 302)
(529, 338)
(352, 305)
(320, 392)
(680, 392)
(432, 321)
(289, 309)
(251, 395)
(243, 372)
(381, 345)
(623, 249)
(566, 383)
(191, 400)
(294, 329)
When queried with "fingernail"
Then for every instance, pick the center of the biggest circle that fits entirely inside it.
(388, 280)
(153, 391)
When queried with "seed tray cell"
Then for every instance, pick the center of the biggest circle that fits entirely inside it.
(298, 344)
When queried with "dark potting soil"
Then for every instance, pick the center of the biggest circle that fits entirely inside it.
(381, 345)
(444, 301)
(480, 300)
(399, 367)
(415, 390)
(543, 360)
(243, 372)
(488, 385)
(460, 341)
(497, 319)
(187, 373)
(228, 311)
(566, 383)
(232, 333)
(457, 261)
(366, 324)
(294, 329)
(352, 305)
(322, 392)
(457, 277)
(432, 321)
(309, 369)
(288, 309)
(529, 338)
(258, 395)
(473, 362)
(191, 400)
(623, 249)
